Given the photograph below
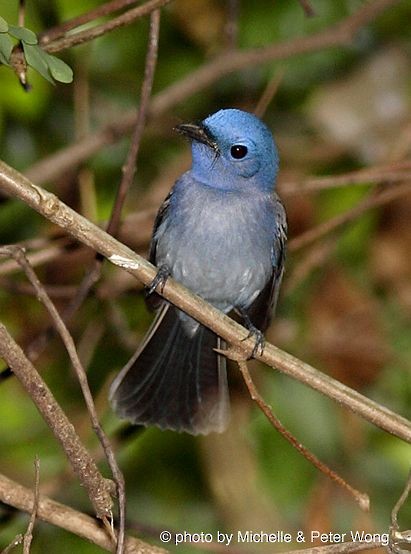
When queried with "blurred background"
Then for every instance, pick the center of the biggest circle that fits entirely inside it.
(345, 305)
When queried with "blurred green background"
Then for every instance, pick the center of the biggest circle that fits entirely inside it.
(345, 306)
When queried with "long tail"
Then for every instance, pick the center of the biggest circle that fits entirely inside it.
(174, 381)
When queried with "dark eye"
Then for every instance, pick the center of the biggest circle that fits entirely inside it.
(238, 151)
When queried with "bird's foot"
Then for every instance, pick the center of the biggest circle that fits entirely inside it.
(253, 332)
(259, 340)
(159, 280)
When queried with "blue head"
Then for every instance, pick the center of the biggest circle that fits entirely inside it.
(233, 150)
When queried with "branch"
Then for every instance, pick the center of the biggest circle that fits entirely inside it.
(90, 34)
(340, 34)
(83, 465)
(70, 24)
(82, 525)
(392, 173)
(400, 538)
(47, 204)
(362, 499)
(130, 168)
(18, 254)
(371, 201)
(307, 7)
(342, 548)
(28, 535)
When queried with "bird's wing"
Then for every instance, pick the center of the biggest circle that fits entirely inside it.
(263, 307)
(161, 214)
(154, 301)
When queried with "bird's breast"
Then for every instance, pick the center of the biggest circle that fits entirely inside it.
(219, 246)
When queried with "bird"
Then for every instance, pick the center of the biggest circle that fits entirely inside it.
(221, 232)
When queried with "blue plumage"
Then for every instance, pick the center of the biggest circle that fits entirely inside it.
(221, 232)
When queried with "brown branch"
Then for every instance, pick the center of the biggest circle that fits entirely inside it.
(55, 513)
(400, 538)
(392, 173)
(47, 204)
(99, 30)
(18, 254)
(54, 291)
(70, 24)
(231, 25)
(371, 201)
(268, 94)
(97, 487)
(342, 548)
(307, 7)
(22, 13)
(40, 257)
(130, 167)
(340, 34)
(15, 542)
(362, 499)
(28, 535)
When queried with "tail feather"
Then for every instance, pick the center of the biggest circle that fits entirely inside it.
(175, 380)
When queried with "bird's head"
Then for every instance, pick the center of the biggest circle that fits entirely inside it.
(232, 150)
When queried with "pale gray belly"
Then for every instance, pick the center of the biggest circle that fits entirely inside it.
(223, 264)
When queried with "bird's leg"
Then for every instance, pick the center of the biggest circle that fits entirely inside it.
(252, 332)
(159, 280)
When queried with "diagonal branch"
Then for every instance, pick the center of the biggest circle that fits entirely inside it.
(28, 535)
(55, 513)
(84, 466)
(90, 34)
(342, 548)
(373, 200)
(130, 168)
(18, 254)
(362, 499)
(70, 24)
(400, 538)
(47, 204)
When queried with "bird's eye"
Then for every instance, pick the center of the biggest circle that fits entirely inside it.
(239, 151)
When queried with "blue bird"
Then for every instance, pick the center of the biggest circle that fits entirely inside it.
(221, 232)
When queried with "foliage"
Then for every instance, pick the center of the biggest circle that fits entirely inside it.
(49, 67)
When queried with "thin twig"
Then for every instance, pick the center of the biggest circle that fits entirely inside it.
(400, 538)
(130, 167)
(231, 26)
(70, 24)
(362, 499)
(338, 35)
(371, 201)
(54, 291)
(307, 7)
(47, 204)
(18, 539)
(85, 468)
(55, 513)
(40, 257)
(268, 94)
(18, 254)
(341, 548)
(99, 30)
(391, 173)
(28, 535)
(22, 13)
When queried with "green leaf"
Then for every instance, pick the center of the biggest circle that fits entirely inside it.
(59, 69)
(6, 46)
(23, 34)
(37, 59)
(4, 26)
